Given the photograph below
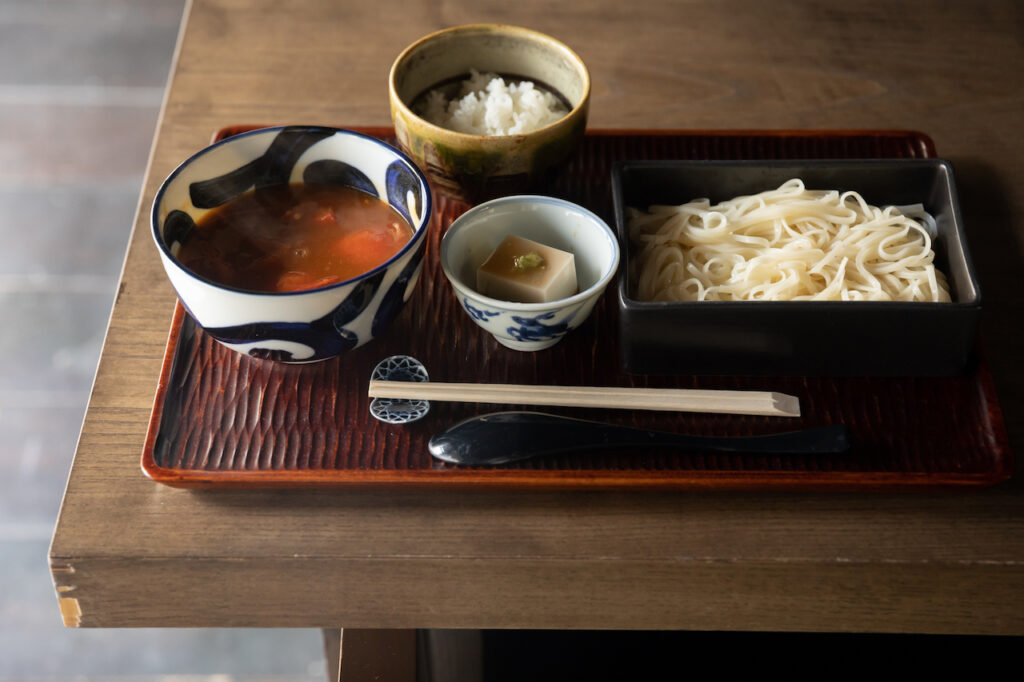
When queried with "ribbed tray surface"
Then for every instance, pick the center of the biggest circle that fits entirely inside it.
(221, 418)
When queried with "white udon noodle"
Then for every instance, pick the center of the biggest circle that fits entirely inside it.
(787, 244)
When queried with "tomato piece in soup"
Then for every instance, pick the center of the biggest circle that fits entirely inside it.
(300, 281)
(367, 248)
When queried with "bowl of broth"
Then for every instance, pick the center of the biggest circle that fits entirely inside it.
(294, 243)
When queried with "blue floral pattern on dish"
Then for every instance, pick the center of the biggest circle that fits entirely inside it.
(532, 329)
(477, 313)
(399, 410)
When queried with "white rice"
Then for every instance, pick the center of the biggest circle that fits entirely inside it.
(487, 105)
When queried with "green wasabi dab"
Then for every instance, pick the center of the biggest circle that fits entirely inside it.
(528, 261)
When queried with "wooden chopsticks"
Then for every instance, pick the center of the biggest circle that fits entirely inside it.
(664, 399)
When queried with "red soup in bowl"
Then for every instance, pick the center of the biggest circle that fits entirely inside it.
(294, 237)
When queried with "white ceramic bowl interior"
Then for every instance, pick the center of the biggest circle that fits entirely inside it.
(300, 326)
(554, 222)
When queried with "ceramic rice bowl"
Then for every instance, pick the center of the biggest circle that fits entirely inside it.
(471, 167)
(472, 238)
(297, 326)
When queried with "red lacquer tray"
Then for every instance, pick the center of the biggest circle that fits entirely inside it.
(221, 419)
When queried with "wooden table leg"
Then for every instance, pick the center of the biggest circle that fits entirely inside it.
(377, 655)
(450, 655)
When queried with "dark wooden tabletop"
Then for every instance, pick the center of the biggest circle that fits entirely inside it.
(129, 552)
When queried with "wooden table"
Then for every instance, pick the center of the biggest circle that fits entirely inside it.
(129, 552)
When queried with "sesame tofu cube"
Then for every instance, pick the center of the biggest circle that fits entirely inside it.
(525, 271)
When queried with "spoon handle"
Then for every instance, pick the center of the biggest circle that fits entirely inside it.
(503, 437)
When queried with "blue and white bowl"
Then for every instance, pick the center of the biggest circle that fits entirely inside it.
(473, 236)
(301, 326)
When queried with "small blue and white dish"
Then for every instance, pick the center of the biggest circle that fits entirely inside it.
(295, 326)
(560, 224)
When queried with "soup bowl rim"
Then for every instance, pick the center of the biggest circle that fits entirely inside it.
(419, 233)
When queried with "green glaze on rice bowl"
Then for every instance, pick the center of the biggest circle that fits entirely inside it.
(475, 167)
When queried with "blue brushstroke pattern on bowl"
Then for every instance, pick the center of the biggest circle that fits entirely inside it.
(297, 326)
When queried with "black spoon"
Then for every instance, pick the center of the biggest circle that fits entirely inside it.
(503, 437)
